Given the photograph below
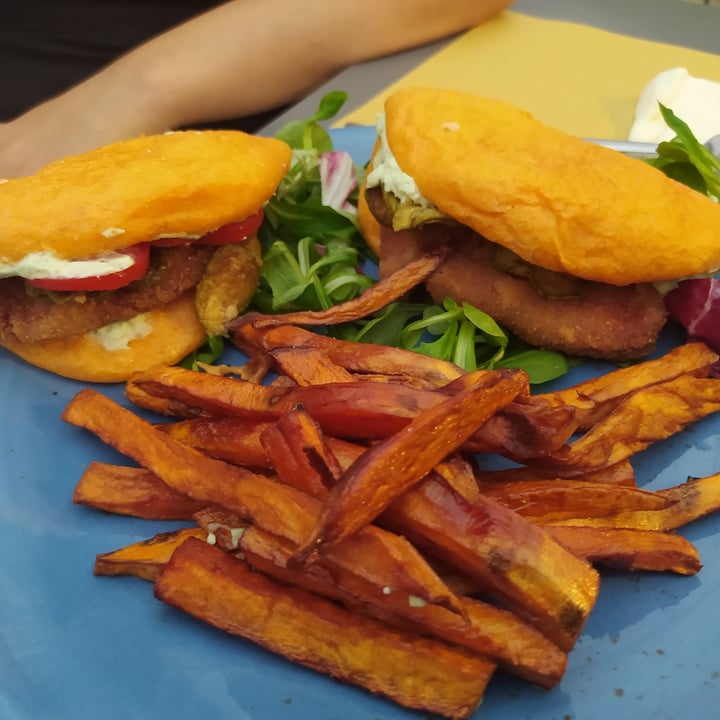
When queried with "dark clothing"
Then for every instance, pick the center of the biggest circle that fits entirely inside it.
(46, 46)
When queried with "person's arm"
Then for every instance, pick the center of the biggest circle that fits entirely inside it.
(238, 59)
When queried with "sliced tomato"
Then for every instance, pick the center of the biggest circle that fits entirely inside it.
(230, 234)
(112, 281)
(236, 232)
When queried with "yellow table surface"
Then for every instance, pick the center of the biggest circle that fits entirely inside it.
(577, 78)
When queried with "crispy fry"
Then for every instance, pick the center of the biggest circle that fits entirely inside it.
(159, 404)
(525, 429)
(233, 439)
(621, 473)
(309, 366)
(414, 671)
(131, 491)
(147, 558)
(696, 497)
(691, 500)
(491, 631)
(238, 440)
(650, 414)
(459, 475)
(103, 487)
(515, 561)
(361, 359)
(376, 297)
(522, 430)
(278, 508)
(228, 531)
(554, 500)
(354, 409)
(195, 393)
(393, 466)
(300, 455)
(495, 632)
(624, 549)
(595, 398)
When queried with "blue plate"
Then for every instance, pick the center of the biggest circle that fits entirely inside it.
(76, 646)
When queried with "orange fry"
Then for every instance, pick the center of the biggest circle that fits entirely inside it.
(497, 633)
(147, 558)
(553, 500)
(414, 671)
(392, 466)
(596, 397)
(486, 629)
(377, 296)
(233, 439)
(229, 439)
(186, 393)
(650, 414)
(277, 508)
(525, 428)
(690, 501)
(513, 560)
(361, 359)
(131, 491)
(299, 454)
(624, 549)
(622, 473)
(309, 366)
(355, 409)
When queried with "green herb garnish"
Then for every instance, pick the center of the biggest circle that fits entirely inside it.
(312, 252)
(458, 333)
(686, 159)
(207, 353)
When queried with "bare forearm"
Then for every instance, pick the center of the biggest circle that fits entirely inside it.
(250, 55)
(243, 57)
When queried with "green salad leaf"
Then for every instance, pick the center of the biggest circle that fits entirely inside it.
(459, 333)
(208, 353)
(309, 134)
(686, 159)
(312, 252)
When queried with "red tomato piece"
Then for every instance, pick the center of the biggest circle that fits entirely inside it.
(230, 234)
(140, 255)
(236, 232)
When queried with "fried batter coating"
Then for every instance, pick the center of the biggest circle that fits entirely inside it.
(28, 315)
(599, 320)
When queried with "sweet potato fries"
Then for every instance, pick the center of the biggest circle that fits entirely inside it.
(337, 514)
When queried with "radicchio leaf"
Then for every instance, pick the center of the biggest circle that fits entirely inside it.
(695, 304)
(338, 180)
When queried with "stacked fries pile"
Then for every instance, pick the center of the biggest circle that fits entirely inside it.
(341, 515)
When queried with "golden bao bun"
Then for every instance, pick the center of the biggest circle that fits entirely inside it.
(557, 201)
(176, 332)
(131, 191)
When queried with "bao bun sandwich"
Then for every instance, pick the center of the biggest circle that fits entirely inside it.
(567, 244)
(101, 253)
